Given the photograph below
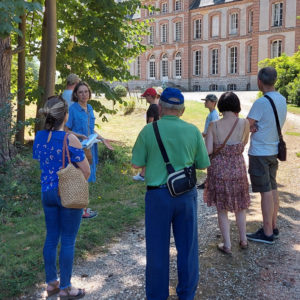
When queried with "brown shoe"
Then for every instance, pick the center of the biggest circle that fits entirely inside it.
(243, 245)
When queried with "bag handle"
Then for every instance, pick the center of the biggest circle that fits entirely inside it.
(65, 149)
(276, 116)
(164, 154)
(225, 141)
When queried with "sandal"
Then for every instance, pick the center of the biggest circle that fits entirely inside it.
(55, 290)
(224, 249)
(80, 294)
(243, 245)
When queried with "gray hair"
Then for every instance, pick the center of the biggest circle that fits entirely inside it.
(73, 79)
(267, 76)
(172, 106)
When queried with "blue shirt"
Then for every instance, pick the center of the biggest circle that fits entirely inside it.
(264, 142)
(67, 95)
(212, 116)
(50, 156)
(80, 121)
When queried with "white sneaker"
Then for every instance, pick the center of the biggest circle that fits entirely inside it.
(138, 177)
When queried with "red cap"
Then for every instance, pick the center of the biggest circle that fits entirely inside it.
(149, 92)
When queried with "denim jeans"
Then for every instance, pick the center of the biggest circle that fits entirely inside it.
(162, 212)
(61, 223)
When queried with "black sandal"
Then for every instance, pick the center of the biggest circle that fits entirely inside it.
(80, 294)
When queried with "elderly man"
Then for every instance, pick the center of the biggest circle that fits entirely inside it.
(263, 152)
(184, 146)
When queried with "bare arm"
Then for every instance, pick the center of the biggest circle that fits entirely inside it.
(252, 123)
(246, 132)
(209, 139)
(136, 167)
(78, 135)
(105, 141)
(83, 165)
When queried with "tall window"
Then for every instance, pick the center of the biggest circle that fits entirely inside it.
(152, 67)
(178, 65)
(213, 87)
(277, 9)
(234, 19)
(214, 61)
(177, 31)
(250, 21)
(249, 59)
(138, 66)
(164, 8)
(197, 29)
(197, 62)
(231, 87)
(164, 33)
(233, 60)
(164, 66)
(215, 26)
(151, 35)
(276, 48)
(178, 5)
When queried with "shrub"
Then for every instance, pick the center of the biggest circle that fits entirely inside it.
(120, 90)
(129, 108)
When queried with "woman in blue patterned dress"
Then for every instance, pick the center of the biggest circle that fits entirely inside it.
(62, 223)
(81, 123)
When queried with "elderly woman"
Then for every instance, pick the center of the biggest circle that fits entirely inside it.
(62, 223)
(227, 185)
(81, 123)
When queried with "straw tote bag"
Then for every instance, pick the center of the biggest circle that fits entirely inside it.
(73, 187)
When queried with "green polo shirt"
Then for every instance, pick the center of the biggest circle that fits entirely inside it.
(184, 145)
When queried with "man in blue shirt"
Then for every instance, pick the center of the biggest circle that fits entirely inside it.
(211, 101)
(72, 80)
(263, 152)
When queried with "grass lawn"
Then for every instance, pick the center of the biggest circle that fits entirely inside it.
(118, 199)
(293, 109)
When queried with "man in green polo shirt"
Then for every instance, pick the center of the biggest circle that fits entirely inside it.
(185, 146)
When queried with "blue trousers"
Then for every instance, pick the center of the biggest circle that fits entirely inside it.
(61, 224)
(162, 212)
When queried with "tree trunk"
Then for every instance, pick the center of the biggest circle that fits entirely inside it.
(6, 148)
(48, 56)
(21, 83)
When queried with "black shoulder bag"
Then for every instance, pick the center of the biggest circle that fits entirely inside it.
(281, 145)
(178, 182)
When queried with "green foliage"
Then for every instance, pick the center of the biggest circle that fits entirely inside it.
(120, 90)
(117, 198)
(288, 70)
(129, 108)
(10, 12)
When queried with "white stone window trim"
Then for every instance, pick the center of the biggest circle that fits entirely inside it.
(197, 29)
(164, 67)
(276, 48)
(277, 14)
(197, 62)
(178, 66)
(177, 31)
(152, 67)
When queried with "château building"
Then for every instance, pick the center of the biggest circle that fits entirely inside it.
(209, 45)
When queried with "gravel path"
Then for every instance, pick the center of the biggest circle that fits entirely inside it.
(261, 272)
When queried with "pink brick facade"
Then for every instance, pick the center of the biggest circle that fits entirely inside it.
(217, 46)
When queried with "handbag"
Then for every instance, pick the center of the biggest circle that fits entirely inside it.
(178, 182)
(213, 155)
(72, 186)
(88, 155)
(281, 145)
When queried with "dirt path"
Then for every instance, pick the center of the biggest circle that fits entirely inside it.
(261, 272)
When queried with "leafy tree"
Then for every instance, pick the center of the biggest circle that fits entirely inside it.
(288, 70)
(9, 18)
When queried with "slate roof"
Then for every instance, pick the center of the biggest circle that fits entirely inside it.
(203, 3)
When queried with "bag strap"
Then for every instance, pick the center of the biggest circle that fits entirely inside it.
(276, 115)
(227, 137)
(164, 154)
(65, 149)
